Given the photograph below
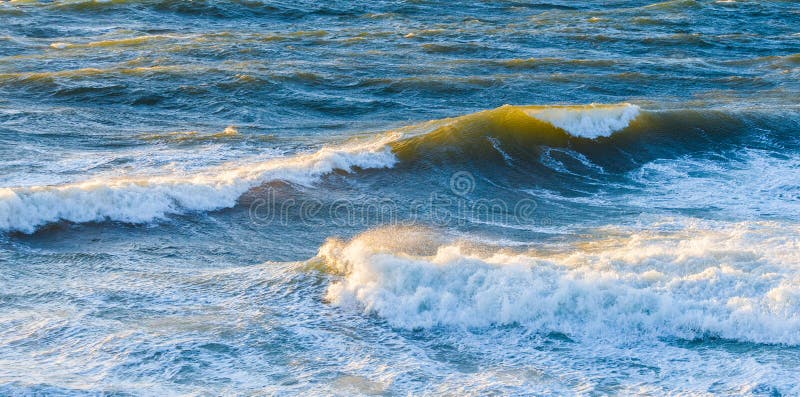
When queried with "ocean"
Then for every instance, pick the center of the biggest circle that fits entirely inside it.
(399, 198)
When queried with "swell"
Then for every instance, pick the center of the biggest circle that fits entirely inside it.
(229, 134)
(510, 140)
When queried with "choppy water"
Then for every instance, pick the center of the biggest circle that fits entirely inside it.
(546, 198)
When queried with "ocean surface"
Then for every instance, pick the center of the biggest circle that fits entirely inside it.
(399, 198)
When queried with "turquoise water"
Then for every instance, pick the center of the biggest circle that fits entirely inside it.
(399, 198)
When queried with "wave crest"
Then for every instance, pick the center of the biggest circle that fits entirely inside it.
(528, 125)
(591, 121)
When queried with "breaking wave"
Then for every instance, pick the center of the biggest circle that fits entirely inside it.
(615, 138)
(735, 281)
(146, 198)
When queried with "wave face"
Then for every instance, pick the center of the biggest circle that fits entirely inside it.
(604, 132)
(738, 282)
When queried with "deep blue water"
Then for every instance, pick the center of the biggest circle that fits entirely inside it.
(394, 198)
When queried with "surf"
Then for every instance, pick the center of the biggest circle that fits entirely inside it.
(685, 279)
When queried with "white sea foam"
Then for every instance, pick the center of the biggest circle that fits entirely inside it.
(589, 121)
(147, 198)
(735, 281)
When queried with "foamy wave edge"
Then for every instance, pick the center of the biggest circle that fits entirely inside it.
(148, 198)
(739, 283)
(588, 121)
